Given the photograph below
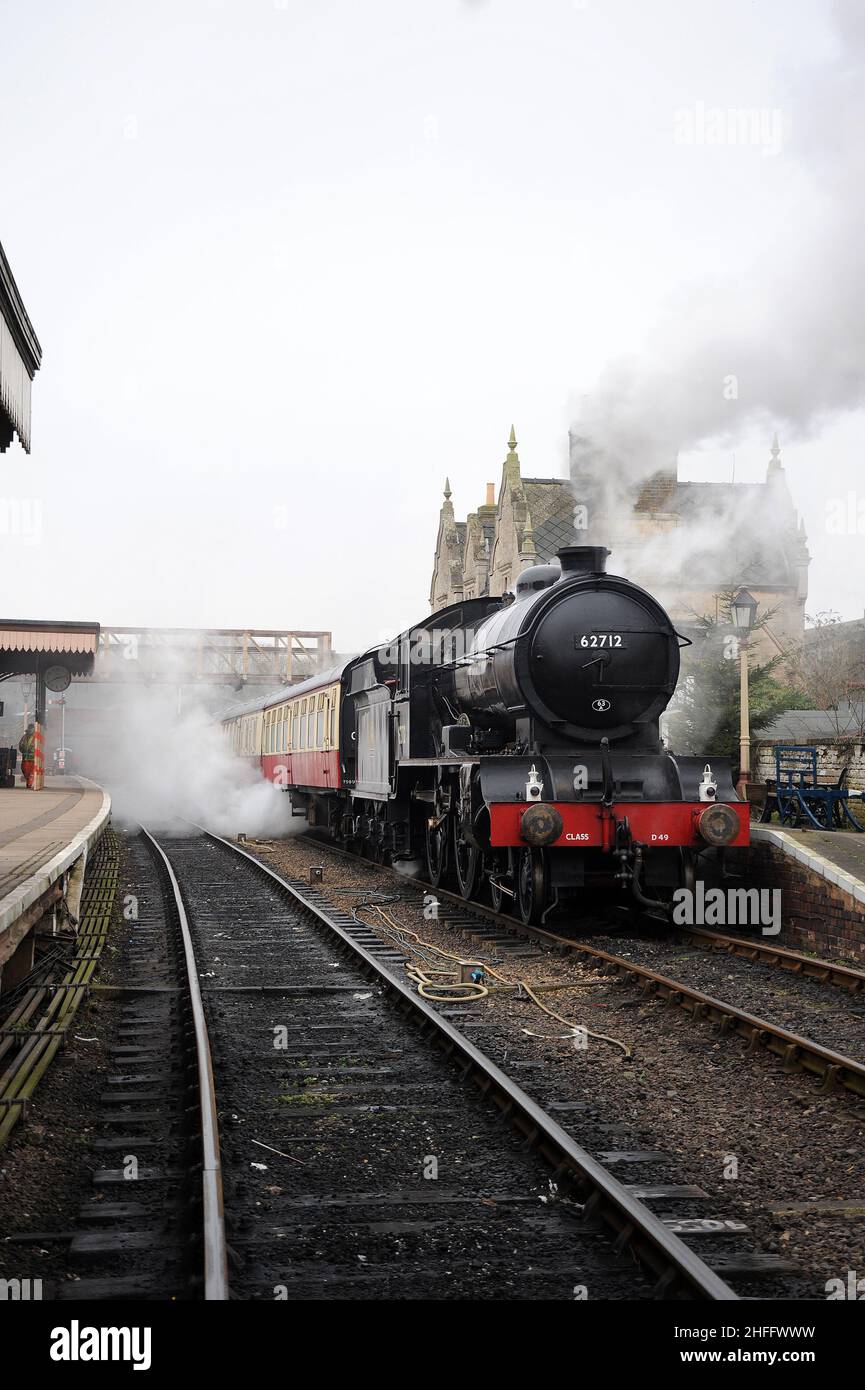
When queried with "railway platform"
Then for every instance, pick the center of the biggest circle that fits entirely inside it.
(821, 875)
(44, 843)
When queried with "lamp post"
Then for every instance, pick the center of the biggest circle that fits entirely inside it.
(61, 758)
(743, 610)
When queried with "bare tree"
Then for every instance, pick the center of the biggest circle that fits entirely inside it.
(828, 666)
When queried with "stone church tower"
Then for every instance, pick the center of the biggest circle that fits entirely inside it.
(687, 542)
(525, 525)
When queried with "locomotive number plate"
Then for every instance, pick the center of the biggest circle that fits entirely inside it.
(599, 639)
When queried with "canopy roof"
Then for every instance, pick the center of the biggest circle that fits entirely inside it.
(20, 357)
(27, 647)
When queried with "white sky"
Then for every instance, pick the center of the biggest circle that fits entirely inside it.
(291, 263)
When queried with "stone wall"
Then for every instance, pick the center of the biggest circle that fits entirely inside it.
(832, 757)
(817, 915)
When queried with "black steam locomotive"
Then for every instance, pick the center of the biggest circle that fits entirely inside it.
(514, 742)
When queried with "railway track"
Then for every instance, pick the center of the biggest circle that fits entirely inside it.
(835, 1068)
(826, 972)
(358, 1158)
(814, 1194)
(226, 956)
(152, 1227)
(41, 1012)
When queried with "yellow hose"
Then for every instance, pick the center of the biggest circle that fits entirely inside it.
(430, 987)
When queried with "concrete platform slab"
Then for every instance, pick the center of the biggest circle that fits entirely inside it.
(44, 836)
(836, 855)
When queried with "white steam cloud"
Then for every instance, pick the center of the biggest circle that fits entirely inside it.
(164, 769)
(781, 347)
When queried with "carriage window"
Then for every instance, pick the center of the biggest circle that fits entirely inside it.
(319, 729)
(333, 725)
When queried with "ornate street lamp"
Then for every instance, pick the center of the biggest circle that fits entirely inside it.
(743, 610)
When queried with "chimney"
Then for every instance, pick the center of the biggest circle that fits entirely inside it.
(491, 494)
(582, 559)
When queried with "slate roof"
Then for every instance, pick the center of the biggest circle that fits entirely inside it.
(814, 725)
(551, 508)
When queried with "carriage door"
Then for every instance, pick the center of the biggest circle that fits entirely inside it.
(372, 712)
(325, 741)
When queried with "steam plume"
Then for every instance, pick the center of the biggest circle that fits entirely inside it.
(784, 345)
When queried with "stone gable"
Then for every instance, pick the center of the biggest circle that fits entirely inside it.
(531, 518)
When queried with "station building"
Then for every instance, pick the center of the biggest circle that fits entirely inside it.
(689, 543)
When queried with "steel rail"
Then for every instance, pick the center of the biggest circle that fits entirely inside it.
(213, 1215)
(835, 1068)
(42, 1042)
(813, 967)
(677, 1267)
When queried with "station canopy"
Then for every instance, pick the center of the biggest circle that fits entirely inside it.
(27, 648)
(20, 356)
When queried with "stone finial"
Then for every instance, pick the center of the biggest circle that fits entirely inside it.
(447, 489)
(775, 461)
(512, 463)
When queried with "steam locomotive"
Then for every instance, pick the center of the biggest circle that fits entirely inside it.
(513, 742)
